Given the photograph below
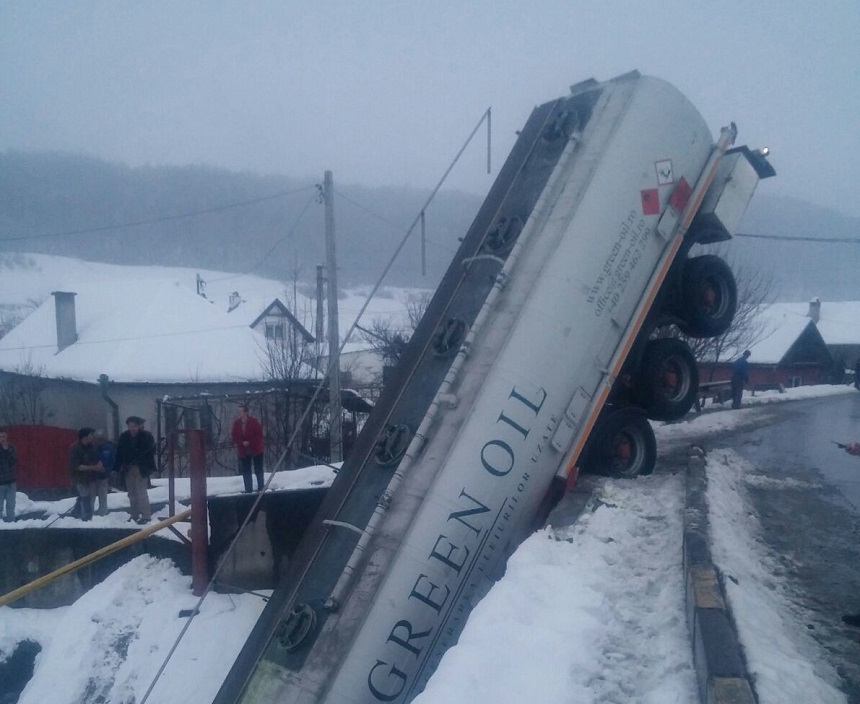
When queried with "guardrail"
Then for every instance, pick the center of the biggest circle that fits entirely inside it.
(716, 391)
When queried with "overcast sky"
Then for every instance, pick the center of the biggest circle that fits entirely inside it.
(385, 92)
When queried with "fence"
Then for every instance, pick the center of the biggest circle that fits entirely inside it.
(278, 410)
(43, 456)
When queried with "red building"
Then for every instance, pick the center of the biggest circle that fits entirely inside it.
(791, 353)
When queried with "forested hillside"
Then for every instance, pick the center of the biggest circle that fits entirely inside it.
(273, 225)
(211, 218)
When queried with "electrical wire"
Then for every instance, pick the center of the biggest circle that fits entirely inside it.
(164, 218)
(240, 326)
(788, 238)
(308, 409)
(388, 222)
(265, 258)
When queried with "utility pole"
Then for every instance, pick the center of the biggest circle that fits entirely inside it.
(320, 311)
(335, 437)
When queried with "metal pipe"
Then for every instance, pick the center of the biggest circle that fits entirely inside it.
(16, 594)
(104, 381)
(171, 473)
(199, 525)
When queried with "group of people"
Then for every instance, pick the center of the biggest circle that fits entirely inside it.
(92, 460)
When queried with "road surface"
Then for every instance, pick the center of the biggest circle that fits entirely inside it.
(813, 525)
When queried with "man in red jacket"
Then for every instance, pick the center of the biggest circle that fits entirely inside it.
(247, 434)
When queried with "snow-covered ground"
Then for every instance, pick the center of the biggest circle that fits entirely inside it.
(592, 612)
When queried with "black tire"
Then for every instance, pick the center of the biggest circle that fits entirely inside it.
(668, 379)
(622, 445)
(709, 297)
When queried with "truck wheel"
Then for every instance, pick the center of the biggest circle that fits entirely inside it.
(709, 297)
(668, 379)
(622, 445)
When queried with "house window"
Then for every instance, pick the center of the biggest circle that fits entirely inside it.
(796, 381)
(274, 331)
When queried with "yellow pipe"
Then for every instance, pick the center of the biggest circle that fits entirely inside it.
(16, 594)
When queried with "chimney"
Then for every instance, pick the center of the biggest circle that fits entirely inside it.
(67, 328)
(814, 310)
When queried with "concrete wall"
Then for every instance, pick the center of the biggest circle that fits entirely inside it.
(261, 554)
(267, 544)
(30, 553)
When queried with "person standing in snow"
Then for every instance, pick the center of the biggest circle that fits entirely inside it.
(740, 376)
(85, 468)
(8, 475)
(247, 434)
(135, 461)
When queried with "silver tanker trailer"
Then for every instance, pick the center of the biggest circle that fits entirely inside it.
(543, 351)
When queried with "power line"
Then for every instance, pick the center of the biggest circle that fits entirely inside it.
(178, 333)
(786, 238)
(265, 258)
(399, 228)
(152, 221)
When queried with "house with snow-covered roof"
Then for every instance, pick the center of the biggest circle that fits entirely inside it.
(837, 321)
(130, 342)
(98, 352)
(789, 352)
(106, 350)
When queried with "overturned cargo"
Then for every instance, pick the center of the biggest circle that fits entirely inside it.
(535, 356)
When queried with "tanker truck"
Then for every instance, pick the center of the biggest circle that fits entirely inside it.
(543, 351)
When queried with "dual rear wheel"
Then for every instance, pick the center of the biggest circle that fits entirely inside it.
(622, 443)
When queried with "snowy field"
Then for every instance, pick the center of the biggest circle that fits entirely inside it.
(592, 612)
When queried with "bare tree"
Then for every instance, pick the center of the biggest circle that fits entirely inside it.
(390, 341)
(292, 355)
(11, 315)
(21, 397)
(386, 340)
(416, 307)
(756, 291)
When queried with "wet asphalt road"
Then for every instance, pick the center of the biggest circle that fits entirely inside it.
(816, 532)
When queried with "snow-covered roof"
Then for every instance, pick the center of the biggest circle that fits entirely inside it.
(783, 323)
(781, 331)
(838, 321)
(32, 277)
(149, 330)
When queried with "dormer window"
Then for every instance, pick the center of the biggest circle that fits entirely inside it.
(275, 331)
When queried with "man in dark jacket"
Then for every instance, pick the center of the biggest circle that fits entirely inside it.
(8, 475)
(135, 461)
(740, 376)
(85, 468)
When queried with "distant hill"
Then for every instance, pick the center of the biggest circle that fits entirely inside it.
(99, 211)
(801, 269)
(198, 216)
